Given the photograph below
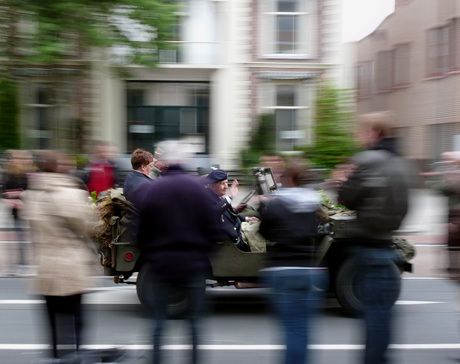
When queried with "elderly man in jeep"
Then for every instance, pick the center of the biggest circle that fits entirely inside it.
(228, 217)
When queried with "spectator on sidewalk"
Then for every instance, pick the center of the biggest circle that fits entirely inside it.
(57, 204)
(102, 173)
(15, 183)
(449, 186)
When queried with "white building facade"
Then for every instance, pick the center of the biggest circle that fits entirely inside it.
(234, 60)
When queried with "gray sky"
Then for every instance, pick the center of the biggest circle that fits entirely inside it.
(361, 17)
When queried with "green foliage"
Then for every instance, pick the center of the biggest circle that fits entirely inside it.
(333, 128)
(262, 141)
(9, 115)
(81, 160)
(327, 201)
(60, 28)
(93, 197)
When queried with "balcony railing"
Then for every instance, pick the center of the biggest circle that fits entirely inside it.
(202, 53)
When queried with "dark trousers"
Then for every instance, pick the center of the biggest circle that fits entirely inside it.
(379, 283)
(297, 296)
(66, 323)
(20, 236)
(193, 289)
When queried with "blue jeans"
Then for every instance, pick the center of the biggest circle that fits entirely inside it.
(379, 284)
(297, 296)
(193, 288)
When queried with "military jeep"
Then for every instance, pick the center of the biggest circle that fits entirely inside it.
(233, 267)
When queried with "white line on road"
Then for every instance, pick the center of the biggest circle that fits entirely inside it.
(402, 302)
(444, 346)
(94, 302)
(130, 301)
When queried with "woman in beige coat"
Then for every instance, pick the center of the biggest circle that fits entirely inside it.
(57, 206)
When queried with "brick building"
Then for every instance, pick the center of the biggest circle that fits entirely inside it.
(410, 64)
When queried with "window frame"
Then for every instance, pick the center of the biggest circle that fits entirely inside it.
(367, 69)
(401, 65)
(438, 64)
(305, 34)
(302, 109)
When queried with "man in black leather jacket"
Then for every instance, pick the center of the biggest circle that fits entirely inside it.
(377, 188)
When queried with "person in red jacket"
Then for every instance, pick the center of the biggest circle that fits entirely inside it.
(101, 171)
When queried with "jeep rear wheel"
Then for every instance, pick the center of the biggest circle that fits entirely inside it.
(177, 303)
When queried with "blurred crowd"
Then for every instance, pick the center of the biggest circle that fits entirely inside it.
(53, 203)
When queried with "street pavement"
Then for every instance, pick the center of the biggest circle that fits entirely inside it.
(425, 226)
(240, 330)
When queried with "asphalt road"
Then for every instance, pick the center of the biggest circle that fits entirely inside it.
(239, 327)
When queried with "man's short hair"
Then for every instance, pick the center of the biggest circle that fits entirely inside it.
(382, 122)
(173, 152)
(140, 157)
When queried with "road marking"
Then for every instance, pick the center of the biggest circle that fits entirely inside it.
(21, 302)
(402, 302)
(89, 302)
(445, 346)
(107, 302)
(424, 278)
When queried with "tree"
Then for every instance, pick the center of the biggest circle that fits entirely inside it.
(262, 141)
(333, 128)
(48, 32)
(9, 112)
(56, 33)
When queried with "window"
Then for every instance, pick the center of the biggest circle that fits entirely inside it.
(364, 74)
(286, 34)
(135, 97)
(383, 70)
(290, 102)
(49, 119)
(173, 55)
(392, 67)
(456, 43)
(439, 50)
(287, 28)
(444, 48)
(401, 65)
(167, 110)
(442, 138)
(285, 117)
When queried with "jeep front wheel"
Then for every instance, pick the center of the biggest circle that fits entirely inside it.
(347, 288)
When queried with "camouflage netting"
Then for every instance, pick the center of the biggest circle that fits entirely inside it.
(403, 247)
(326, 211)
(112, 207)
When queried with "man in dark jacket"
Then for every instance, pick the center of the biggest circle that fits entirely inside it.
(176, 234)
(229, 219)
(377, 188)
(142, 163)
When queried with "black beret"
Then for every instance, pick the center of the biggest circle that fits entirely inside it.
(216, 175)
